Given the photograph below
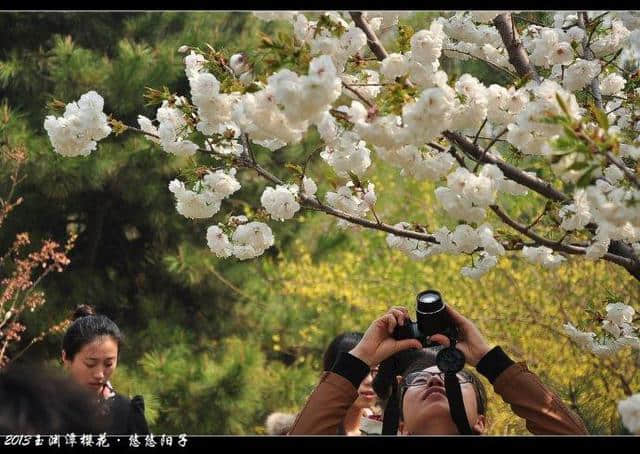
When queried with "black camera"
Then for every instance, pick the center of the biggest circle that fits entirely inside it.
(431, 318)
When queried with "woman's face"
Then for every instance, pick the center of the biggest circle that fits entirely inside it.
(425, 407)
(366, 395)
(93, 365)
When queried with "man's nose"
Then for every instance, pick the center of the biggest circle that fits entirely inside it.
(435, 380)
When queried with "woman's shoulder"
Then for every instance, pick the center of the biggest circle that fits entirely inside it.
(128, 414)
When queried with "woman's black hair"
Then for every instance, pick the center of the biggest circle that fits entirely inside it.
(341, 343)
(87, 326)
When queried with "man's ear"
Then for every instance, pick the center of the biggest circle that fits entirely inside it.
(63, 358)
(398, 379)
(479, 427)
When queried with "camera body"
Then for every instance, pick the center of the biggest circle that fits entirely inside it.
(431, 318)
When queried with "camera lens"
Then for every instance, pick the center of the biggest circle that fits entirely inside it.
(429, 302)
(428, 297)
(430, 313)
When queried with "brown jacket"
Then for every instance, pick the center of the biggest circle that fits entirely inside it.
(517, 385)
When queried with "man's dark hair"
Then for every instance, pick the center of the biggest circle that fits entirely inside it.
(36, 400)
(86, 327)
(341, 343)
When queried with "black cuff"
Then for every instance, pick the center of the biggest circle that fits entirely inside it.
(494, 363)
(351, 368)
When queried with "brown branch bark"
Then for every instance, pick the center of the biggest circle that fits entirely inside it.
(374, 43)
(534, 183)
(619, 164)
(627, 263)
(517, 55)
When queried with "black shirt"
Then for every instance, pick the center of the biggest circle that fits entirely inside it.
(124, 416)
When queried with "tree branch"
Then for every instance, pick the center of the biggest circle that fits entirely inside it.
(534, 183)
(358, 94)
(614, 160)
(314, 204)
(517, 55)
(486, 149)
(589, 55)
(372, 40)
(626, 263)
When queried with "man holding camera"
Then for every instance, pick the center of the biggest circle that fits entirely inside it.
(436, 400)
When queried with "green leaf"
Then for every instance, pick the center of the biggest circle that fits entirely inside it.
(578, 165)
(355, 179)
(600, 116)
(585, 179)
(295, 168)
(563, 106)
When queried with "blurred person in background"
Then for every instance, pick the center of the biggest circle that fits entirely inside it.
(36, 400)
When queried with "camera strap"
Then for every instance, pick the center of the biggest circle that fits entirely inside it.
(456, 403)
(450, 360)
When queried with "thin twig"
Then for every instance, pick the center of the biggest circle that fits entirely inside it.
(493, 65)
(358, 94)
(475, 140)
(486, 150)
(613, 159)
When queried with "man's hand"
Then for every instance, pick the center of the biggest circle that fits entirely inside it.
(471, 342)
(377, 344)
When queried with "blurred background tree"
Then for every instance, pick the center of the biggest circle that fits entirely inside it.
(215, 346)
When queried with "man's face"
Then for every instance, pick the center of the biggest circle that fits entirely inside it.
(425, 406)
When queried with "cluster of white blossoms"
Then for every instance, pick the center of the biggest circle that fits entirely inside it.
(249, 240)
(418, 163)
(323, 42)
(281, 112)
(214, 108)
(464, 239)
(542, 255)
(529, 133)
(352, 200)
(172, 130)
(204, 199)
(617, 324)
(80, 128)
(280, 203)
(467, 194)
(629, 410)
(347, 154)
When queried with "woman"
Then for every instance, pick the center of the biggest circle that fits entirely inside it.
(360, 417)
(90, 351)
(423, 404)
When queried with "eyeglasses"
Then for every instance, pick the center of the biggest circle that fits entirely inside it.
(422, 378)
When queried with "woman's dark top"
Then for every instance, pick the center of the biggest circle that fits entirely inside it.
(124, 416)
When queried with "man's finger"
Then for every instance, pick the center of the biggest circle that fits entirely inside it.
(440, 339)
(399, 315)
(407, 344)
(391, 322)
(456, 316)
